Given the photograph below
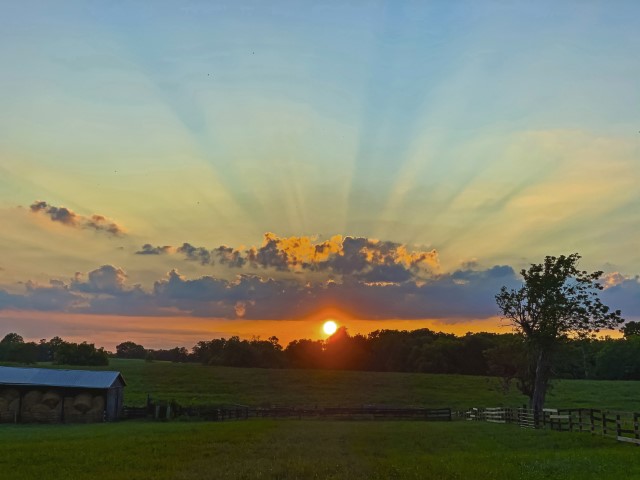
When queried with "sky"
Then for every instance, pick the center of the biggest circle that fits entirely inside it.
(180, 171)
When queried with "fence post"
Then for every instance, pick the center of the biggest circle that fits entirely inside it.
(636, 434)
(580, 417)
(570, 420)
(592, 426)
(618, 426)
(604, 422)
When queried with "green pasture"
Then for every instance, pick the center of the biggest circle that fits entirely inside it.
(288, 449)
(291, 448)
(191, 384)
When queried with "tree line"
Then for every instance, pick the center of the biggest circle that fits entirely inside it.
(13, 348)
(422, 350)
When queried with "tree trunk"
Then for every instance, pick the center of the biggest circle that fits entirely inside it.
(541, 381)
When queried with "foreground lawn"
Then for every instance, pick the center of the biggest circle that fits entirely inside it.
(308, 449)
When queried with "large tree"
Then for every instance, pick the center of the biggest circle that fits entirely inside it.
(557, 300)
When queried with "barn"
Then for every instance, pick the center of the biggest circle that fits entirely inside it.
(45, 395)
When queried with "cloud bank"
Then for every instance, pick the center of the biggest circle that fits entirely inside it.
(462, 294)
(293, 278)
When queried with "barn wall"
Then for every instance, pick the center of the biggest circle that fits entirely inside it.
(115, 402)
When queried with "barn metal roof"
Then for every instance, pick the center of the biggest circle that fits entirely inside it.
(58, 378)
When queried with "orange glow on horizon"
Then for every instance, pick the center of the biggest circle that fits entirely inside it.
(171, 331)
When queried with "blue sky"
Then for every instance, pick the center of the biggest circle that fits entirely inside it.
(491, 132)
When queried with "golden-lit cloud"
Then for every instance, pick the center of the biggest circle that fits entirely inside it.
(340, 255)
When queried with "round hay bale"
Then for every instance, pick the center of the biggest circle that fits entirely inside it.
(33, 397)
(51, 399)
(82, 402)
(42, 413)
(10, 393)
(97, 403)
(94, 415)
(68, 405)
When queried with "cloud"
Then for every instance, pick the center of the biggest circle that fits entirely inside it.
(341, 255)
(623, 293)
(230, 257)
(69, 218)
(383, 292)
(198, 254)
(366, 258)
(106, 279)
(148, 249)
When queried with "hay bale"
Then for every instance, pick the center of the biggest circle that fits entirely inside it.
(83, 402)
(41, 413)
(94, 415)
(51, 399)
(33, 397)
(97, 403)
(7, 417)
(68, 406)
(10, 393)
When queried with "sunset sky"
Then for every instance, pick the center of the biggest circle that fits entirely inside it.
(180, 171)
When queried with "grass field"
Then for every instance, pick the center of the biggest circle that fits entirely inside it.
(191, 384)
(287, 449)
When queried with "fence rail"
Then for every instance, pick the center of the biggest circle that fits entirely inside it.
(622, 426)
(365, 412)
(162, 411)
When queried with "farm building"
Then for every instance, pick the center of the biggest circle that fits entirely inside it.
(52, 396)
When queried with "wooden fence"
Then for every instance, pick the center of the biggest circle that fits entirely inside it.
(370, 412)
(623, 426)
(166, 411)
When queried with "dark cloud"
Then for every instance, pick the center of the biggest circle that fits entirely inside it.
(467, 294)
(229, 257)
(148, 249)
(385, 291)
(624, 295)
(69, 218)
(270, 255)
(393, 273)
(382, 284)
(197, 254)
(57, 214)
(106, 279)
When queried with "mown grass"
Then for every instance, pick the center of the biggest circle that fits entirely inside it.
(196, 384)
(284, 449)
(287, 449)
(191, 384)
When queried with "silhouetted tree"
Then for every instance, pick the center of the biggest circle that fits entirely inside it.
(14, 349)
(556, 300)
(80, 354)
(305, 353)
(130, 350)
(619, 359)
(630, 329)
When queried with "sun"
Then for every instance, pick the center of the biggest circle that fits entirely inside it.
(329, 327)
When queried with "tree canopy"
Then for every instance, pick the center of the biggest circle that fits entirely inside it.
(556, 300)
